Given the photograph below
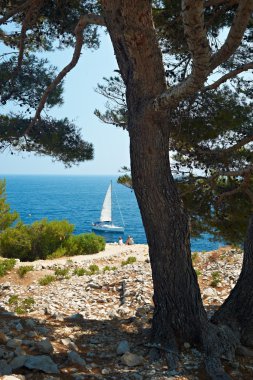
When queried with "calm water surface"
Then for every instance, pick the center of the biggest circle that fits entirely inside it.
(79, 199)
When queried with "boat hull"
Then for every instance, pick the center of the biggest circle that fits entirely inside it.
(108, 228)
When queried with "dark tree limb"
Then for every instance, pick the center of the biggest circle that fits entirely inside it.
(82, 23)
(232, 74)
(235, 34)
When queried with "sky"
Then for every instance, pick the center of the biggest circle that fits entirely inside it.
(111, 144)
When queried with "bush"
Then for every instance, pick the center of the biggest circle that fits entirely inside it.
(47, 237)
(23, 270)
(80, 272)
(35, 241)
(215, 279)
(21, 306)
(60, 252)
(84, 244)
(61, 272)
(47, 280)
(15, 242)
(107, 268)
(130, 260)
(93, 268)
(6, 265)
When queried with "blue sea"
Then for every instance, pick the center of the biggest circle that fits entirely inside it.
(79, 200)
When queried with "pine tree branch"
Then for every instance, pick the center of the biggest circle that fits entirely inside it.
(195, 33)
(215, 3)
(202, 63)
(82, 23)
(235, 34)
(230, 75)
(15, 11)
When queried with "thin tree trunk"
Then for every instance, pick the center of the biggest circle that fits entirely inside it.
(237, 310)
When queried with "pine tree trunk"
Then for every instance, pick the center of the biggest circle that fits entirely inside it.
(178, 307)
(237, 310)
(179, 315)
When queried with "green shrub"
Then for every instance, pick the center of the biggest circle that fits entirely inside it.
(6, 265)
(107, 268)
(23, 270)
(35, 241)
(195, 256)
(84, 244)
(28, 302)
(198, 272)
(19, 310)
(130, 260)
(215, 279)
(93, 268)
(13, 299)
(60, 252)
(61, 272)
(47, 236)
(15, 242)
(21, 306)
(47, 279)
(80, 272)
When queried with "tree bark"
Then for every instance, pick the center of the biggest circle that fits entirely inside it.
(179, 312)
(179, 315)
(237, 310)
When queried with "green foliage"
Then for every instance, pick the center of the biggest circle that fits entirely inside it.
(6, 266)
(195, 256)
(21, 306)
(15, 242)
(35, 241)
(13, 300)
(21, 271)
(130, 260)
(7, 218)
(47, 237)
(93, 269)
(108, 268)
(59, 139)
(28, 86)
(80, 272)
(61, 272)
(84, 244)
(198, 272)
(60, 252)
(215, 279)
(47, 279)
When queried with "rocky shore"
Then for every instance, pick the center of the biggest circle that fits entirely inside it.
(92, 321)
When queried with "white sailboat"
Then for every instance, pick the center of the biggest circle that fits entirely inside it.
(105, 223)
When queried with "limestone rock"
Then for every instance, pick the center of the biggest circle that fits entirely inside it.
(132, 360)
(41, 362)
(44, 346)
(18, 362)
(123, 347)
(74, 357)
(209, 292)
(5, 368)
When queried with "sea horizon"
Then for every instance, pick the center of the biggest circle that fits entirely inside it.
(78, 198)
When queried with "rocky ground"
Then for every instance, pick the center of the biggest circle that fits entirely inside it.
(95, 325)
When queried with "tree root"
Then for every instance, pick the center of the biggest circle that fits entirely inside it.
(215, 370)
(171, 355)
